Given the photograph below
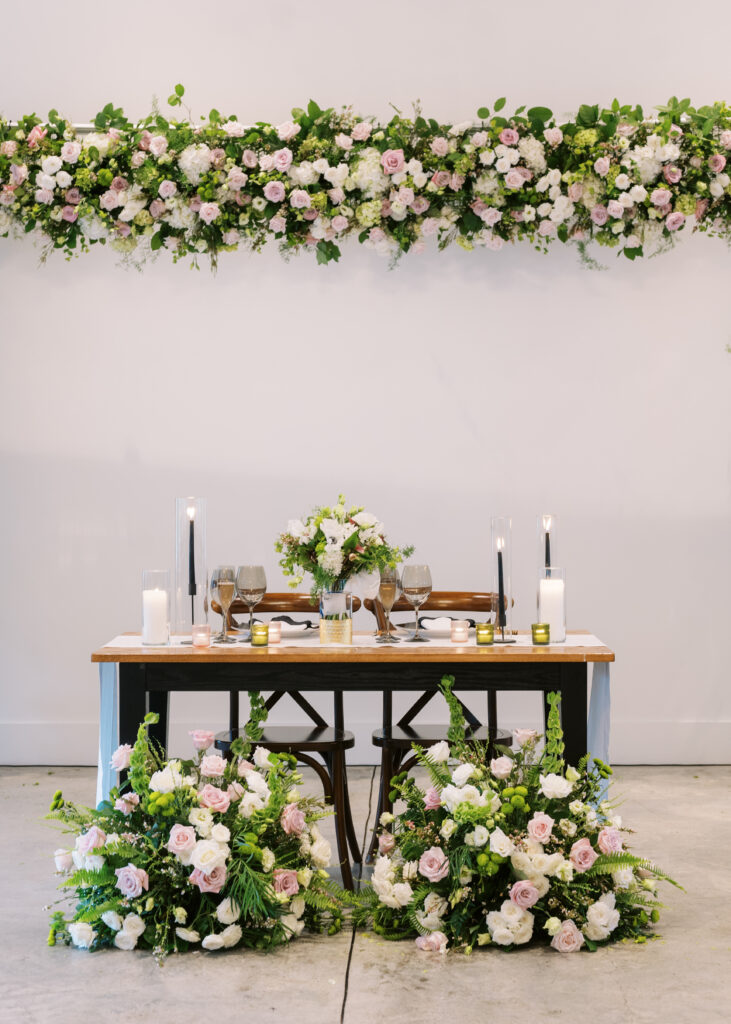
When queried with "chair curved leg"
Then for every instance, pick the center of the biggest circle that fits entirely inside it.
(340, 817)
(384, 804)
(322, 773)
(349, 826)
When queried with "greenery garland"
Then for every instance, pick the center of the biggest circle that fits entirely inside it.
(612, 175)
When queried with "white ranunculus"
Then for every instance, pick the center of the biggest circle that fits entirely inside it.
(213, 941)
(622, 181)
(292, 924)
(439, 751)
(320, 853)
(64, 179)
(112, 920)
(231, 935)
(187, 935)
(202, 820)
(522, 864)
(500, 843)
(45, 181)
(228, 911)
(541, 884)
(461, 773)
(261, 758)
(180, 914)
(125, 940)
(133, 924)
(82, 934)
(168, 779)
(449, 827)
(555, 787)
(601, 918)
(208, 855)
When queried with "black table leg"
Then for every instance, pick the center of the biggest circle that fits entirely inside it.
(573, 687)
(132, 700)
(158, 700)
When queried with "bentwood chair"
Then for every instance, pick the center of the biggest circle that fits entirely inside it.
(329, 742)
(396, 742)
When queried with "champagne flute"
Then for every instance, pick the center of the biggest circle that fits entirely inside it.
(223, 588)
(389, 592)
(416, 585)
(251, 586)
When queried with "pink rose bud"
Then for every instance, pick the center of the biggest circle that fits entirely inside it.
(120, 758)
(202, 739)
(432, 799)
(386, 842)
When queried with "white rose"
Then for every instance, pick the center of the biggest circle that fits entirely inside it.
(622, 181)
(439, 751)
(461, 773)
(220, 833)
(287, 130)
(448, 828)
(82, 934)
(207, 855)
(555, 787)
(420, 179)
(228, 911)
(52, 164)
(125, 940)
(112, 920)
(320, 853)
(202, 820)
(133, 925)
(500, 844)
(213, 942)
(267, 859)
(63, 179)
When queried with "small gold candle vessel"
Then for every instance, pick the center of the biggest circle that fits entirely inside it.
(541, 633)
(485, 633)
(260, 634)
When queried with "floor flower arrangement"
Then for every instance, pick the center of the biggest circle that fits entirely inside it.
(196, 853)
(507, 850)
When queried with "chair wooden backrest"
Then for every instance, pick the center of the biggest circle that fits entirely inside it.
(438, 601)
(300, 604)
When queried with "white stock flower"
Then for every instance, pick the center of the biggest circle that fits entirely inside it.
(623, 878)
(228, 911)
(510, 925)
(267, 859)
(439, 751)
(555, 787)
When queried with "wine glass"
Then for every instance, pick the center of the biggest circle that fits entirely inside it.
(416, 585)
(251, 586)
(389, 592)
(223, 588)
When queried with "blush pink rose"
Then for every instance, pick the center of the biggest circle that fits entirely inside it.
(18, 173)
(385, 208)
(553, 136)
(406, 195)
(602, 165)
(91, 840)
(615, 209)
(339, 223)
(524, 894)
(441, 179)
(514, 178)
(126, 803)
(420, 205)
(213, 766)
(509, 136)
(209, 212)
(266, 162)
(122, 229)
(501, 767)
(216, 799)
(576, 191)
(119, 184)
(377, 235)
(430, 227)
(218, 156)
(717, 162)
(182, 839)
(540, 827)
(361, 131)
(434, 942)
(44, 195)
(157, 208)
(73, 196)
(70, 152)
(568, 939)
(286, 882)
(310, 214)
(599, 215)
(609, 840)
(209, 883)
(479, 139)
(432, 799)
(283, 159)
(120, 758)
(299, 199)
(336, 196)
(274, 191)
(236, 178)
(63, 860)
(109, 200)
(547, 227)
(433, 864)
(386, 842)
(131, 881)
(456, 182)
(439, 146)
(167, 190)
(145, 139)
(726, 139)
(69, 214)
(343, 141)
(249, 159)
(158, 145)
(138, 158)
(292, 820)
(277, 225)
(660, 197)
(393, 161)
(672, 174)
(9, 148)
(675, 221)
(582, 855)
(701, 206)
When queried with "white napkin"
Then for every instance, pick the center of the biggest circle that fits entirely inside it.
(441, 625)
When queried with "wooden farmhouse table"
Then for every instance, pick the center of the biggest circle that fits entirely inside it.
(136, 679)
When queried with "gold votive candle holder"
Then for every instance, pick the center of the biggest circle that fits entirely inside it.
(201, 636)
(541, 633)
(275, 632)
(484, 633)
(260, 634)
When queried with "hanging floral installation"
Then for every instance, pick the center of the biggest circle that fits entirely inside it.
(613, 175)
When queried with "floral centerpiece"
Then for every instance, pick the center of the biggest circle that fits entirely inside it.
(508, 850)
(335, 544)
(202, 852)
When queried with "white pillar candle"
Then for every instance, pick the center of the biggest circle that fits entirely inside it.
(552, 608)
(155, 619)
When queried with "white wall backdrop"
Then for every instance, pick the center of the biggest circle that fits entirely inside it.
(455, 386)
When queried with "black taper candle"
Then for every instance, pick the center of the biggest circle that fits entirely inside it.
(548, 550)
(501, 617)
(191, 555)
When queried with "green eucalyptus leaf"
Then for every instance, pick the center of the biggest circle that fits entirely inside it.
(499, 104)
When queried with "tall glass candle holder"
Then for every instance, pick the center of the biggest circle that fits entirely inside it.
(191, 569)
(336, 617)
(155, 607)
(548, 553)
(501, 530)
(552, 601)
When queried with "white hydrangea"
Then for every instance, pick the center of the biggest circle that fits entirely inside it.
(180, 216)
(195, 161)
(168, 779)
(533, 152)
(95, 140)
(368, 176)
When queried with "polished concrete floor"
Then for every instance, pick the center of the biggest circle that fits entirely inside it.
(682, 818)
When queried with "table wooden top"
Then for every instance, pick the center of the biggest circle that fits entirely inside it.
(312, 652)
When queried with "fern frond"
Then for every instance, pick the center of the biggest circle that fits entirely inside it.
(93, 914)
(606, 863)
(83, 879)
(440, 774)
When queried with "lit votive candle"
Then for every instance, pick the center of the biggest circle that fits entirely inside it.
(201, 636)
(485, 633)
(460, 631)
(275, 632)
(260, 634)
(541, 632)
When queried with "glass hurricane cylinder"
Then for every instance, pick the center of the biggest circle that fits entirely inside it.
(155, 607)
(191, 568)
(552, 601)
(501, 537)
